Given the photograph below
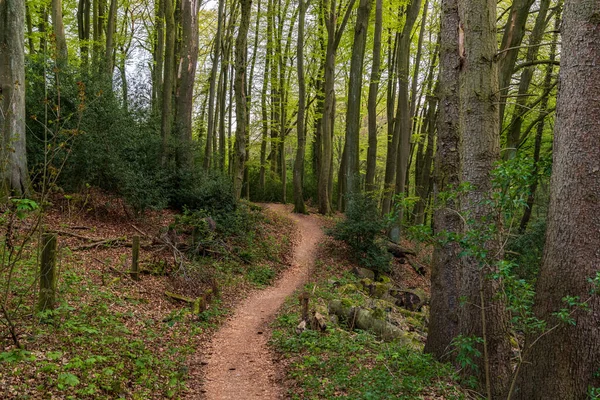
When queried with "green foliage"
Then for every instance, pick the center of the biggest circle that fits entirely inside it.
(526, 249)
(361, 230)
(260, 275)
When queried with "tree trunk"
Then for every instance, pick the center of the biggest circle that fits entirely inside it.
(299, 206)
(392, 139)
(353, 120)
(402, 127)
(513, 136)
(482, 314)
(372, 102)
(184, 99)
(241, 111)
(83, 30)
(540, 131)
(159, 56)
(512, 39)
(167, 95)
(13, 156)
(563, 364)
(444, 304)
(58, 28)
(110, 40)
(211, 91)
(334, 35)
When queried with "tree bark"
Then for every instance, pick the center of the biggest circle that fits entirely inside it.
(13, 156)
(372, 101)
(563, 364)
(211, 91)
(299, 206)
(168, 83)
(334, 34)
(159, 56)
(241, 111)
(58, 28)
(110, 40)
(478, 91)
(402, 127)
(443, 319)
(185, 89)
(353, 120)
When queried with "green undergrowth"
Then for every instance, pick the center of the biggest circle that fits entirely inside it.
(339, 363)
(110, 337)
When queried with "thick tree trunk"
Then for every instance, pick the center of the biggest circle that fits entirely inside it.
(353, 120)
(13, 156)
(299, 206)
(482, 314)
(241, 111)
(444, 305)
(563, 364)
(372, 102)
(185, 89)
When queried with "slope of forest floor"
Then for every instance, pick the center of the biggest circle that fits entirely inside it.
(338, 361)
(111, 336)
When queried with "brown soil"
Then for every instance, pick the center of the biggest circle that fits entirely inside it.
(238, 363)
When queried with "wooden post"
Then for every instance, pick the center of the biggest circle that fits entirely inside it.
(304, 299)
(47, 273)
(135, 267)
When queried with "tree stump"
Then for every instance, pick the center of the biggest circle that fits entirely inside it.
(46, 296)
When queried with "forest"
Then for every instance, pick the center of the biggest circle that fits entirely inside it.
(441, 155)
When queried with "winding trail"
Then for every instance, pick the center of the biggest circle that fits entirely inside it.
(240, 364)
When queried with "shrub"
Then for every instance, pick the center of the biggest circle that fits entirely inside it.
(362, 230)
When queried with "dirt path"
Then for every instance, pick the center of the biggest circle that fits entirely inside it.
(239, 364)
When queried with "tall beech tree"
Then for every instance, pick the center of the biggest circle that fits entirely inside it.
(241, 110)
(372, 100)
(186, 74)
(563, 364)
(353, 117)
(299, 205)
(334, 36)
(443, 320)
(482, 313)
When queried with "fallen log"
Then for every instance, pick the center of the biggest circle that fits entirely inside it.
(398, 251)
(357, 317)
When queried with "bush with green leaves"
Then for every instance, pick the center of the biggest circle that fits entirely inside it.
(363, 231)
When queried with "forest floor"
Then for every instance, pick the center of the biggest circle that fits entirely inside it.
(113, 337)
(239, 363)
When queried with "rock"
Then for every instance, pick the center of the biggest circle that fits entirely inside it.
(301, 327)
(410, 299)
(364, 273)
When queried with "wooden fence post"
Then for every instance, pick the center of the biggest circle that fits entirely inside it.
(135, 267)
(47, 273)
